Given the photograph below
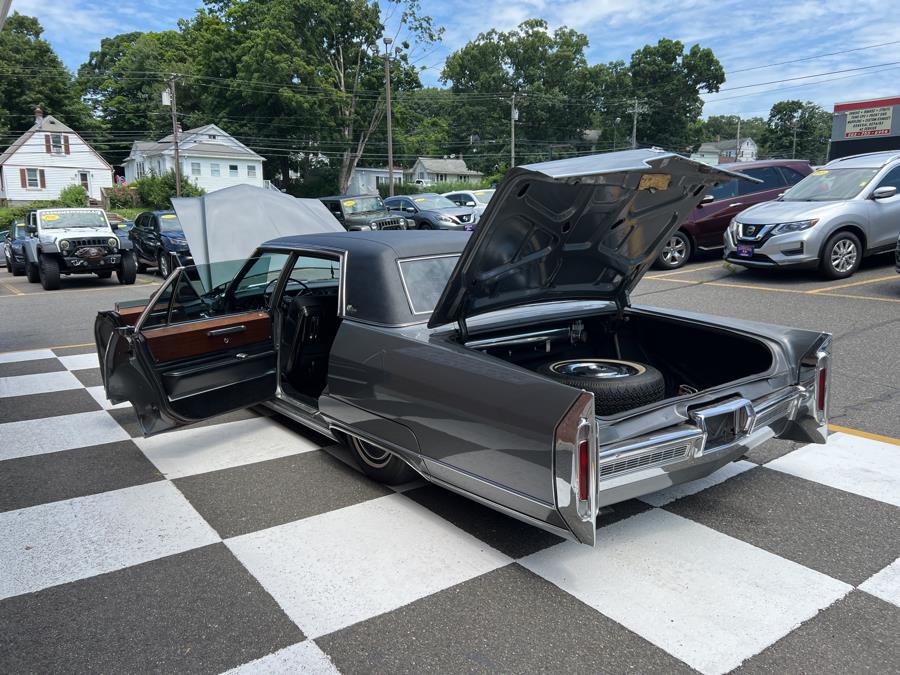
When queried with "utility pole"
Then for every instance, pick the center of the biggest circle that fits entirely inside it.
(616, 132)
(387, 100)
(173, 105)
(636, 109)
(513, 116)
(737, 145)
(794, 150)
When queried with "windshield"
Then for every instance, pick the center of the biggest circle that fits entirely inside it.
(168, 222)
(483, 196)
(361, 204)
(424, 280)
(17, 230)
(55, 220)
(826, 185)
(433, 202)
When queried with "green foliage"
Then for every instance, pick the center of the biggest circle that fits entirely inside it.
(73, 196)
(813, 130)
(11, 213)
(156, 192)
(123, 197)
(439, 188)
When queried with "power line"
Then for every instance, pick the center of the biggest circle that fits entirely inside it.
(811, 58)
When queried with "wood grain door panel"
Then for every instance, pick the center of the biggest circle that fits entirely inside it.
(197, 338)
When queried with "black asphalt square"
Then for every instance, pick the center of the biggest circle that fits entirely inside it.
(17, 368)
(89, 377)
(264, 494)
(197, 612)
(786, 515)
(507, 621)
(38, 479)
(51, 404)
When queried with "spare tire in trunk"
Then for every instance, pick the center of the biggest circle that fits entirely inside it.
(617, 385)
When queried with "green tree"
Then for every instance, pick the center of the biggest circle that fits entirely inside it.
(667, 82)
(726, 127)
(808, 122)
(31, 74)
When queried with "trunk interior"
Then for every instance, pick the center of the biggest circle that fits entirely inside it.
(691, 358)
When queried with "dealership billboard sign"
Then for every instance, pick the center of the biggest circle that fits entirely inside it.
(868, 122)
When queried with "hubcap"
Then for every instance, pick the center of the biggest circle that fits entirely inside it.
(674, 251)
(374, 457)
(163, 265)
(843, 255)
(601, 370)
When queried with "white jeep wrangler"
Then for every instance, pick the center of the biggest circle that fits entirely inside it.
(75, 241)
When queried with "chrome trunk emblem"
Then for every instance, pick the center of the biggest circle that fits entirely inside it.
(724, 423)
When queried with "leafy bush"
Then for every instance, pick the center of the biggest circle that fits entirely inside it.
(123, 197)
(412, 188)
(157, 191)
(73, 196)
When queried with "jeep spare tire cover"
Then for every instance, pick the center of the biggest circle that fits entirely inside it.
(617, 385)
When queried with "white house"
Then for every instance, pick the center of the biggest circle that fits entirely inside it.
(430, 170)
(727, 151)
(47, 158)
(210, 157)
(366, 180)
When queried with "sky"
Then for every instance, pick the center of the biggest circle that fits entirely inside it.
(743, 34)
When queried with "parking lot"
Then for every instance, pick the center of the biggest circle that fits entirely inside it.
(247, 542)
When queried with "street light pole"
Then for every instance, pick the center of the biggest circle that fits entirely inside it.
(512, 131)
(387, 101)
(616, 132)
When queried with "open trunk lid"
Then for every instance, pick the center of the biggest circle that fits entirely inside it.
(585, 228)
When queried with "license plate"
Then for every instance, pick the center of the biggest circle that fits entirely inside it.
(745, 251)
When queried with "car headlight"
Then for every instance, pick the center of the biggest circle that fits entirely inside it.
(446, 219)
(113, 242)
(63, 245)
(373, 225)
(794, 226)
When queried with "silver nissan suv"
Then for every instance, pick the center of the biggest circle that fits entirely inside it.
(843, 211)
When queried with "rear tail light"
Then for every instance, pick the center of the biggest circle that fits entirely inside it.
(584, 470)
(576, 468)
(821, 389)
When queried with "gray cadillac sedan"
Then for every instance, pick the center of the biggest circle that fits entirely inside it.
(508, 365)
(831, 219)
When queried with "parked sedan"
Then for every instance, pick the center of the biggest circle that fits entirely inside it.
(830, 220)
(431, 211)
(508, 366)
(704, 228)
(13, 251)
(160, 242)
(474, 199)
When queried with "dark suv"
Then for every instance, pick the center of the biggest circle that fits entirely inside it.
(159, 242)
(705, 227)
(364, 212)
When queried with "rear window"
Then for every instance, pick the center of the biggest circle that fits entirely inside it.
(424, 280)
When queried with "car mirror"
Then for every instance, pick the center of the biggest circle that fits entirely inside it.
(707, 199)
(410, 209)
(31, 229)
(884, 192)
(470, 204)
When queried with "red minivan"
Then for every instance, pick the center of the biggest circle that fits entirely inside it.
(705, 227)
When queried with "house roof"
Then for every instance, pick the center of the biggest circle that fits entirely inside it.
(720, 146)
(457, 166)
(49, 125)
(196, 147)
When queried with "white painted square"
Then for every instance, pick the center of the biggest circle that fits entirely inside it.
(39, 383)
(99, 395)
(55, 543)
(303, 657)
(850, 463)
(706, 598)
(345, 566)
(27, 355)
(885, 584)
(221, 446)
(80, 361)
(63, 432)
(670, 494)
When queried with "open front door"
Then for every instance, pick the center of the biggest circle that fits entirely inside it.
(194, 354)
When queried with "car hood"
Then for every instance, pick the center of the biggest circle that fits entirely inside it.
(584, 228)
(454, 211)
(786, 212)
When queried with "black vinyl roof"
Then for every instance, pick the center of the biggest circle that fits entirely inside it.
(374, 290)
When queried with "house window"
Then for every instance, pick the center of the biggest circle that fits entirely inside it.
(195, 168)
(214, 170)
(56, 141)
(251, 171)
(422, 175)
(442, 178)
(212, 136)
(232, 169)
(140, 169)
(33, 178)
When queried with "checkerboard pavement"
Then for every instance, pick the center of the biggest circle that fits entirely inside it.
(247, 544)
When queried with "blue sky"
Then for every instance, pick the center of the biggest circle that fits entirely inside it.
(743, 34)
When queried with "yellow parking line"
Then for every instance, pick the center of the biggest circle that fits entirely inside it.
(13, 289)
(825, 293)
(864, 434)
(858, 297)
(664, 275)
(855, 283)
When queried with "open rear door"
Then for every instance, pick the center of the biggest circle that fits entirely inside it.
(182, 363)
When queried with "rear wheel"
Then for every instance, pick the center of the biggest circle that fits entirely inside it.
(162, 264)
(9, 266)
(32, 272)
(841, 256)
(380, 464)
(617, 385)
(127, 272)
(49, 273)
(676, 252)
(18, 269)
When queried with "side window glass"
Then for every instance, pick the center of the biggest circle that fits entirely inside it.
(159, 313)
(188, 303)
(253, 287)
(791, 176)
(770, 177)
(725, 191)
(892, 179)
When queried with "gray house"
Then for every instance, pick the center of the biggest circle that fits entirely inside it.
(722, 152)
(427, 171)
